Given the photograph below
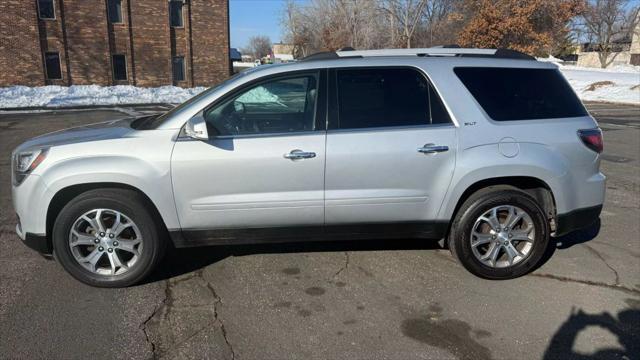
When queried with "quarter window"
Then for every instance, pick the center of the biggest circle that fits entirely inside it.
(46, 10)
(178, 68)
(115, 11)
(52, 65)
(175, 13)
(119, 63)
(371, 98)
(277, 106)
(521, 94)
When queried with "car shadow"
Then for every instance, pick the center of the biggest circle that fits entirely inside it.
(569, 240)
(625, 327)
(578, 237)
(179, 261)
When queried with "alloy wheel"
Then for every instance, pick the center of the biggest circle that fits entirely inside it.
(503, 236)
(105, 242)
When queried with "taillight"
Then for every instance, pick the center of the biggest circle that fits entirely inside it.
(592, 138)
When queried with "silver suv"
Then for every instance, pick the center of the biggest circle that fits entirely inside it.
(487, 149)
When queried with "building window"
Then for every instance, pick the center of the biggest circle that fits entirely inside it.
(175, 13)
(46, 10)
(119, 63)
(115, 11)
(178, 68)
(52, 65)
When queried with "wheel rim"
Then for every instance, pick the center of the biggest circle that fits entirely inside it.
(502, 236)
(105, 242)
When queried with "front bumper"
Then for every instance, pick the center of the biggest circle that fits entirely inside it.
(38, 243)
(577, 219)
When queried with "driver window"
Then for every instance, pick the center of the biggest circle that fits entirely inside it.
(278, 106)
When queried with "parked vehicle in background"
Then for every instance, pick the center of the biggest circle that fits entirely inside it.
(488, 149)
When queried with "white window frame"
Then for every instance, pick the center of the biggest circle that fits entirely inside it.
(53, 2)
(109, 13)
(181, 14)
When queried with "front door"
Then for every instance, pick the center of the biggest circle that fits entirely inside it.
(390, 148)
(263, 166)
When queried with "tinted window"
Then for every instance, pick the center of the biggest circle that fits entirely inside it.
(386, 97)
(119, 67)
(178, 68)
(175, 13)
(115, 11)
(45, 9)
(52, 64)
(521, 94)
(285, 105)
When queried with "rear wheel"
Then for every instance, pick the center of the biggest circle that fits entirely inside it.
(108, 238)
(499, 233)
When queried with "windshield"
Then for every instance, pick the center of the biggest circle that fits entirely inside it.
(155, 122)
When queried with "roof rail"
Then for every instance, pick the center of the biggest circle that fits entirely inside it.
(448, 50)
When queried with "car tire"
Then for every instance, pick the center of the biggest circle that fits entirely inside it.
(124, 215)
(509, 252)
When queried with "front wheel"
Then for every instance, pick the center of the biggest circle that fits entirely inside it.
(108, 238)
(499, 233)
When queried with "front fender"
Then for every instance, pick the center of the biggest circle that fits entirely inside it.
(153, 178)
(486, 162)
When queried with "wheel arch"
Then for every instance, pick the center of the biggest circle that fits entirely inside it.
(64, 195)
(537, 188)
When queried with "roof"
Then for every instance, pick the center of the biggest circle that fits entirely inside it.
(428, 52)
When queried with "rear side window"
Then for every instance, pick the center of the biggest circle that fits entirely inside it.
(371, 98)
(521, 94)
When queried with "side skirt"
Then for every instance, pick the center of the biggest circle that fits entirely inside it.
(206, 237)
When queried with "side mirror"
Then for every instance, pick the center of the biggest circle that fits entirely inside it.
(196, 128)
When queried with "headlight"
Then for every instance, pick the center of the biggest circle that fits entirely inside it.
(25, 162)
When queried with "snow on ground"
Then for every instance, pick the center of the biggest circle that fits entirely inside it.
(620, 84)
(76, 95)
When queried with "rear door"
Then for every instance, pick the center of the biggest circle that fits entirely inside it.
(391, 148)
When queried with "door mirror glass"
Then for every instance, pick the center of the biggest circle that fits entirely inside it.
(196, 128)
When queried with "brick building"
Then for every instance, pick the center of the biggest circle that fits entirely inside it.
(114, 42)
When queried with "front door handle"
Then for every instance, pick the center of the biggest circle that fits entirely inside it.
(299, 154)
(433, 149)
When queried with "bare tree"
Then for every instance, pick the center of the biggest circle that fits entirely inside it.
(607, 21)
(327, 25)
(322, 25)
(405, 14)
(258, 46)
(437, 27)
(295, 28)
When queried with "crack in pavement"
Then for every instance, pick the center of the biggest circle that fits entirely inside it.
(346, 264)
(157, 308)
(165, 308)
(216, 316)
(589, 282)
(597, 254)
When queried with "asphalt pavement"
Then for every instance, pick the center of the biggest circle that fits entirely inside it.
(394, 299)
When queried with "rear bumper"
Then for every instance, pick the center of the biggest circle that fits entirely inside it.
(577, 219)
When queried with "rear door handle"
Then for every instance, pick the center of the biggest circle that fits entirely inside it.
(433, 149)
(299, 154)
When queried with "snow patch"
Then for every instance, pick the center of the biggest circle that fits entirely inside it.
(608, 85)
(624, 89)
(77, 95)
